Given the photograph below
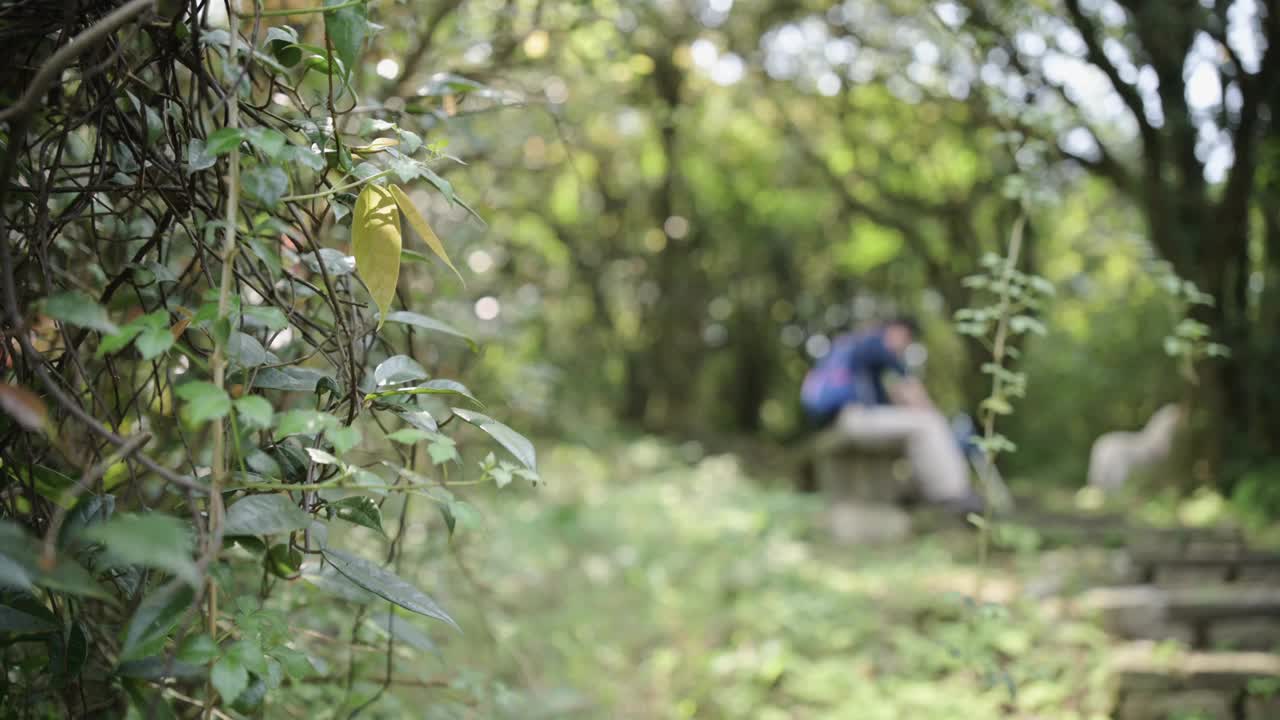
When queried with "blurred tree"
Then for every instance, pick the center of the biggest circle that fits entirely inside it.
(1172, 103)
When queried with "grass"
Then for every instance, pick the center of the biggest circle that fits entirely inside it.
(646, 582)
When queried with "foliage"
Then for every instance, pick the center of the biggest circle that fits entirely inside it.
(690, 591)
(214, 366)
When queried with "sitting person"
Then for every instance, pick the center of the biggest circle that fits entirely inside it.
(847, 390)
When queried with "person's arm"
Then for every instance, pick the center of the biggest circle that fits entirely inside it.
(909, 392)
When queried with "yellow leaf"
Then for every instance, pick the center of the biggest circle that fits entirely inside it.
(378, 145)
(375, 242)
(421, 227)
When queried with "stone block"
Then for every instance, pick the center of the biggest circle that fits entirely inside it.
(1184, 705)
(865, 523)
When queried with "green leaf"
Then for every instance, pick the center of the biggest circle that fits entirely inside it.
(282, 42)
(295, 663)
(76, 308)
(444, 386)
(197, 649)
(156, 337)
(303, 422)
(346, 28)
(515, 443)
(157, 614)
(266, 184)
(385, 584)
(151, 540)
(335, 263)
(283, 561)
(420, 226)
(428, 323)
(404, 632)
(268, 140)
(22, 614)
(375, 242)
(361, 511)
(442, 452)
(267, 316)
(74, 653)
(320, 457)
(327, 579)
(223, 141)
(270, 514)
(409, 142)
(420, 419)
(254, 411)
(204, 402)
(295, 379)
(408, 436)
(229, 677)
(343, 438)
(198, 156)
(245, 351)
(398, 369)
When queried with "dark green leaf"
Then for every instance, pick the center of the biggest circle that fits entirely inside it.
(22, 614)
(385, 584)
(270, 514)
(515, 443)
(76, 308)
(361, 511)
(283, 561)
(346, 28)
(155, 617)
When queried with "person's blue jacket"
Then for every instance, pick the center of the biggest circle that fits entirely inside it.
(851, 373)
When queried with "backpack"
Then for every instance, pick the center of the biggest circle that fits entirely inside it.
(830, 384)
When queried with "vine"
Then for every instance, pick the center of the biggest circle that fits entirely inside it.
(207, 391)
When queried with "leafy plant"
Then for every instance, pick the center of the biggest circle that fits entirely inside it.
(213, 407)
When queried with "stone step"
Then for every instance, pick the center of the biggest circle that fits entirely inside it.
(1238, 617)
(1153, 684)
(1244, 566)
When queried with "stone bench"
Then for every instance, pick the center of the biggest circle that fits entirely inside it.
(866, 488)
(860, 473)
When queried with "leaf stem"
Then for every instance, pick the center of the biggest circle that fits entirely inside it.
(310, 11)
(218, 361)
(337, 189)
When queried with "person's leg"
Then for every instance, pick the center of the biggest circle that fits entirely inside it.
(939, 465)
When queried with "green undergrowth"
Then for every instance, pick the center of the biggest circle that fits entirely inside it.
(644, 582)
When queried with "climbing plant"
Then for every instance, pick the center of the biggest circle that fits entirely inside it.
(214, 384)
